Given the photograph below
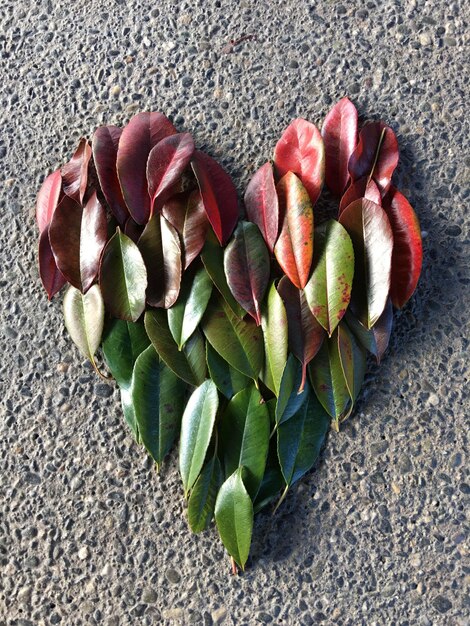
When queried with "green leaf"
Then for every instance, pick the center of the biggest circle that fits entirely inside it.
(275, 333)
(353, 360)
(239, 342)
(123, 278)
(300, 438)
(189, 363)
(186, 313)
(196, 431)
(201, 502)
(244, 437)
(158, 400)
(84, 319)
(228, 380)
(375, 339)
(234, 517)
(328, 291)
(273, 480)
(289, 400)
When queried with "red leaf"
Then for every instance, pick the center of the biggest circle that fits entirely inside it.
(339, 132)
(305, 333)
(51, 277)
(133, 230)
(105, 146)
(78, 235)
(142, 133)
(407, 255)
(166, 163)
(75, 172)
(262, 205)
(218, 195)
(294, 248)
(361, 188)
(48, 199)
(376, 155)
(301, 150)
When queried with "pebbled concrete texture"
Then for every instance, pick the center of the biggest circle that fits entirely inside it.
(376, 535)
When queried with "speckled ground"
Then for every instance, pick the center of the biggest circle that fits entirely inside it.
(376, 536)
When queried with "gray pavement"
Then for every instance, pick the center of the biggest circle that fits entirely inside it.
(376, 535)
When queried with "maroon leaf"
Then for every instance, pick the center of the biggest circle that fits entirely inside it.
(133, 230)
(166, 163)
(339, 132)
(51, 277)
(218, 195)
(375, 339)
(75, 172)
(105, 147)
(376, 155)
(160, 247)
(48, 199)
(301, 150)
(407, 255)
(78, 235)
(186, 213)
(305, 333)
(361, 188)
(262, 205)
(142, 133)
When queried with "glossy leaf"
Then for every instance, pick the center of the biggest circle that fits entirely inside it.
(185, 315)
(105, 147)
(160, 247)
(294, 248)
(376, 154)
(228, 380)
(339, 132)
(190, 362)
(219, 195)
(376, 339)
(300, 438)
(305, 333)
(166, 164)
(300, 150)
(289, 400)
(201, 502)
(371, 234)
(158, 402)
(75, 172)
(364, 187)
(328, 291)
(244, 437)
(407, 255)
(239, 342)
(84, 319)
(262, 205)
(123, 278)
(247, 268)
(138, 138)
(48, 199)
(273, 480)
(78, 235)
(51, 278)
(196, 431)
(133, 230)
(234, 517)
(353, 360)
(275, 335)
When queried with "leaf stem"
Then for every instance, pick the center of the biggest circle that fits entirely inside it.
(234, 566)
(281, 499)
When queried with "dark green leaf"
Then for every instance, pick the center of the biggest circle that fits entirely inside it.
(201, 502)
(353, 360)
(84, 319)
(273, 480)
(228, 380)
(274, 325)
(289, 400)
(376, 339)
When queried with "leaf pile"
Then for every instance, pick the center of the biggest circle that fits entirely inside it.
(243, 337)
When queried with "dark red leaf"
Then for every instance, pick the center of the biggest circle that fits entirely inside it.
(301, 150)
(262, 205)
(142, 133)
(78, 235)
(339, 132)
(75, 172)
(376, 155)
(305, 333)
(105, 147)
(166, 163)
(51, 277)
(218, 195)
(133, 230)
(407, 256)
(48, 199)
(361, 188)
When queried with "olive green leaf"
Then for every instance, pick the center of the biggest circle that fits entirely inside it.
(275, 333)
(353, 360)
(289, 400)
(84, 319)
(201, 502)
(228, 380)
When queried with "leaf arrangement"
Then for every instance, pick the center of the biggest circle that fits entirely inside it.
(246, 337)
